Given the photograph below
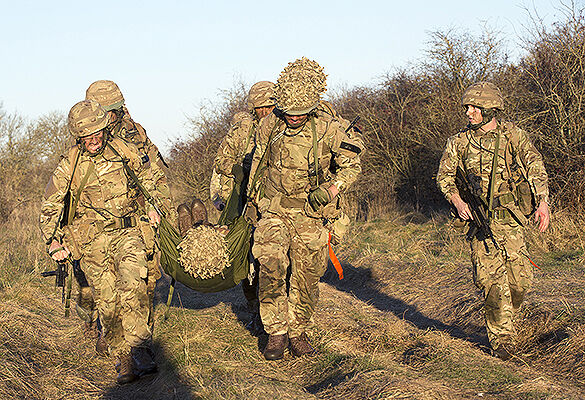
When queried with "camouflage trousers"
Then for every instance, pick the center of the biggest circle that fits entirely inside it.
(116, 269)
(86, 309)
(504, 274)
(295, 240)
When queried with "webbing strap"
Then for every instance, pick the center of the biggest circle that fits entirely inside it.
(493, 177)
(250, 133)
(66, 190)
(315, 155)
(79, 190)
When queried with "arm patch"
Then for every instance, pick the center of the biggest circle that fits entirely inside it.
(350, 147)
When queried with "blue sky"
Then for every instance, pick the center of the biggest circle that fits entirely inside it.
(171, 57)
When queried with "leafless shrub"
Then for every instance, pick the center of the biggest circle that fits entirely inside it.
(28, 151)
(191, 161)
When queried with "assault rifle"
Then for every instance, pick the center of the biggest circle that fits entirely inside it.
(480, 225)
(61, 273)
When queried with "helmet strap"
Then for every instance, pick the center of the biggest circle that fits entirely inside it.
(487, 114)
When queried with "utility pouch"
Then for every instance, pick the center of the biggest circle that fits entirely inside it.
(338, 227)
(525, 198)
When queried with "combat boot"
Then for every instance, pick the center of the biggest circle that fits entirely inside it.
(274, 350)
(101, 347)
(144, 360)
(300, 346)
(504, 351)
(125, 368)
(185, 221)
(198, 212)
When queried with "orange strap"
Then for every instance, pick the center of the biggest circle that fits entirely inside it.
(334, 259)
(532, 262)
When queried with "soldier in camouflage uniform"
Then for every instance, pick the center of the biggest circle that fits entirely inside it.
(237, 147)
(232, 166)
(293, 199)
(122, 126)
(104, 233)
(502, 269)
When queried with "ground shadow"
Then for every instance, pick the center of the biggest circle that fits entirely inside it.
(193, 300)
(360, 283)
(167, 384)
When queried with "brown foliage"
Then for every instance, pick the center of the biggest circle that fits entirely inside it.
(28, 152)
(191, 161)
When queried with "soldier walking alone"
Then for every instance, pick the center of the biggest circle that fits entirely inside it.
(509, 180)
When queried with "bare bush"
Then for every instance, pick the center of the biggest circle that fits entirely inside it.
(28, 152)
(551, 100)
(191, 161)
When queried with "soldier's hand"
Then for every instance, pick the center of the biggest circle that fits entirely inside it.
(154, 218)
(462, 207)
(58, 251)
(542, 216)
(319, 197)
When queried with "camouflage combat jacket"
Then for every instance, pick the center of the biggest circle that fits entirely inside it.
(283, 173)
(132, 132)
(106, 198)
(473, 151)
(235, 149)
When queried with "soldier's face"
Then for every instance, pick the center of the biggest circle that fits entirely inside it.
(93, 143)
(261, 112)
(294, 121)
(474, 114)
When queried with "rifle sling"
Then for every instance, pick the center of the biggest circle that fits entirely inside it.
(66, 190)
(132, 175)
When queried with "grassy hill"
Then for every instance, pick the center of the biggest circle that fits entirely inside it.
(405, 323)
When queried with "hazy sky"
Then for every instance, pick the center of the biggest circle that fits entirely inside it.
(169, 57)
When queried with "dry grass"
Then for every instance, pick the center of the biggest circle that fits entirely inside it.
(405, 323)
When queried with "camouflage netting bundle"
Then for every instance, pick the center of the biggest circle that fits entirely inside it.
(203, 252)
(299, 87)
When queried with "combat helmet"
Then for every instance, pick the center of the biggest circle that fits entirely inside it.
(299, 87)
(86, 118)
(261, 94)
(107, 93)
(483, 95)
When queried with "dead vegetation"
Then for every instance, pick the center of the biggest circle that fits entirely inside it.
(406, 322)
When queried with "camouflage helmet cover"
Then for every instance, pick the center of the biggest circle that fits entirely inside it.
(299, 87)
(261, 94)
(107, 93)
(86, 117)
(484, 95)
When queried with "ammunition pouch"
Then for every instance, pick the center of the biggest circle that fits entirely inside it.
(338, 227)
(148, 235)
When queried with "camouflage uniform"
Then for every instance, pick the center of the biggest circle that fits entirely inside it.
(503, 273)
(105, 230)
(235, 149)
(110, 97)
(289, 232)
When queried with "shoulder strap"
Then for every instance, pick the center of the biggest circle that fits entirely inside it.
(74, 153)
(250, 134)
(493, 175)
(264, 159)
(315, 151)
(132, 175)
